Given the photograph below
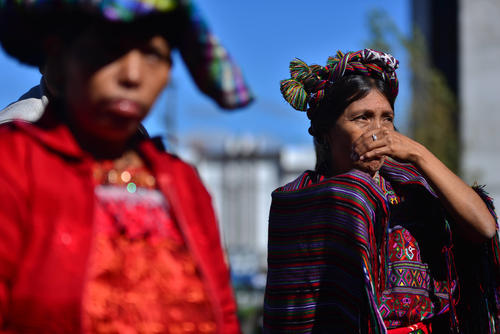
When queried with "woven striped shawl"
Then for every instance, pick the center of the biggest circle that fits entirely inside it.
(326, 253)
(322, 236)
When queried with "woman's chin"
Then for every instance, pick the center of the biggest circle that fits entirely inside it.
(370, 166)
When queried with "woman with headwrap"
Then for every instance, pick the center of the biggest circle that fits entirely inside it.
(381, 236)
(101, 231)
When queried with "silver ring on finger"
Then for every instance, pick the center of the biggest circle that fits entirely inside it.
(374, 137)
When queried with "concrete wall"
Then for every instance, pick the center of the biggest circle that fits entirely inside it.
(479, 92)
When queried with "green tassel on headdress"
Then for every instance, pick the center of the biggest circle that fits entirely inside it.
(334, 60)
(306, 74)
(299, 70)
(309, 84)
(317, 69)
(294, 93)
(293, 90)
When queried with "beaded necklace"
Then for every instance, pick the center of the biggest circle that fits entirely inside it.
(128, 171)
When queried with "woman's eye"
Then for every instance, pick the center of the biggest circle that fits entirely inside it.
(361, 118)
(155, 55)
(152, 55)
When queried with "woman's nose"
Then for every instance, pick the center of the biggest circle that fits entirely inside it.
(130, 71)
(375, 124)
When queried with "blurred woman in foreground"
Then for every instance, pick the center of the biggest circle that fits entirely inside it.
(382, 236)
(101, 231)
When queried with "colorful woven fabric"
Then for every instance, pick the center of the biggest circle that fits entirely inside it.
(211, 66)
(419, 328)
(412, 292)
(308, 83)
(209, 63)
(328, 236)
(323, 272)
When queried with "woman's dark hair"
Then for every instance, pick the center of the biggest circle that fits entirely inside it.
(338, 96)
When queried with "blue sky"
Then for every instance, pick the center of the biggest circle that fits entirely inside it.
(262, 36)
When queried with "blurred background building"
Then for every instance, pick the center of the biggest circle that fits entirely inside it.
(479, 54)
(463, 37)
(241, 173)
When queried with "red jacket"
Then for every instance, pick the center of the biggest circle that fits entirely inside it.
(46, 191)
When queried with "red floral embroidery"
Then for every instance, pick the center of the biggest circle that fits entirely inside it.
(141, 276)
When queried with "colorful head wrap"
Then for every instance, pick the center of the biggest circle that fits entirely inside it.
(308, 83)
(209, 63)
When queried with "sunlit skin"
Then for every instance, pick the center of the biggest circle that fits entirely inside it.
(370, 113)
(111, 79)
(352, 146)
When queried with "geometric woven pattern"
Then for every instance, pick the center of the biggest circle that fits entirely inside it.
(406, 299)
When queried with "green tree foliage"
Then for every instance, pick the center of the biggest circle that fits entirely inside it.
(434, 108)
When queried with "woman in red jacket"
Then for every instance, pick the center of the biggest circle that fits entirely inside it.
(100, 230)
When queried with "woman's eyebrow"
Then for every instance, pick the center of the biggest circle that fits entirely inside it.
(362, 111)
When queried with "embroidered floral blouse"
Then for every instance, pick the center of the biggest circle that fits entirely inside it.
(141, 276)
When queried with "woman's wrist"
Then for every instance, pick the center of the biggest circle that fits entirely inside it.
(420, 156)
